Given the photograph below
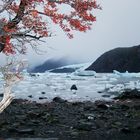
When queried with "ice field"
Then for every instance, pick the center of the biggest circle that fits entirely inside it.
(91, 86)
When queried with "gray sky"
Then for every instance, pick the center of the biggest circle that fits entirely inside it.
(118, 25)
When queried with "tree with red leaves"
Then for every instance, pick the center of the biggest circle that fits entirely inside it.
(27, 20)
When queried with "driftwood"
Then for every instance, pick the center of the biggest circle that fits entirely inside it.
(11, 77)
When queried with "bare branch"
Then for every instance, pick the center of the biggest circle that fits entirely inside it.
(4, 7)
(12, 24)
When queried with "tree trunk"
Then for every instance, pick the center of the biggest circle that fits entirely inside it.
(10, 80)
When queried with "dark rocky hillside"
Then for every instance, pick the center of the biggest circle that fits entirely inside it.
(120, 59)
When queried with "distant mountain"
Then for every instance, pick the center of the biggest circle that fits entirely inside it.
(120, 59)
(70, 68)
(63, 70)
(53, 64)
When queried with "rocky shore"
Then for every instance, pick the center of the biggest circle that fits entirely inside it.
(62, 120)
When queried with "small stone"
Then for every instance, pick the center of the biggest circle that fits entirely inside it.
(89, 116)
(52, 139)
(73, 87)
(32, 74)
(30, 96)
(22, 131)
(126, 130)
(59, 100)
(129, 94)
(100, 91)
(86, 126)
(26, 131)
(74, 133)
(124, 107)
(43, 92)
(32, 114)
(138, 127)
(42, 98)
(106, 96)
(102, 106)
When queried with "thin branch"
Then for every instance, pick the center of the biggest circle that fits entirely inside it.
(12, 24)
(4, 7)
(27, 35)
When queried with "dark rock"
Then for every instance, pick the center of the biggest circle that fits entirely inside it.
(86, 126)
(25, 131)
(137, 126)
(22, 131)
(34, 122)
(51, 119)
(88, 108)
(30, 96)
(137, 107)
(100, 123)
(46, 116)
(106, 96)
(130, 94)
(116, 124)
(77, 103)
(32, 74)
(100, 91)
(73, 133)
(51, 138)
(1, 46)
(32, 114)
(124, 107)
(67, 121)
(42, 98)
(3, 123)
(125, 130)
(74, 87)
(43, 92)
(59, 100)
(120, 59)
(101, 105)
(1, 95)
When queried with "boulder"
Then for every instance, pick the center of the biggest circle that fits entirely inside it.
(129, 94)
(73, 87)
(59, 100)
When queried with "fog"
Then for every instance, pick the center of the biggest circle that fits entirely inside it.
(117, 26)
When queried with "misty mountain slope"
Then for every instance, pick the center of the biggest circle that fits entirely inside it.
(70, 68)
(120, 59)
(53, 64)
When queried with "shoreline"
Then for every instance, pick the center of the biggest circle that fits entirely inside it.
(63, 120)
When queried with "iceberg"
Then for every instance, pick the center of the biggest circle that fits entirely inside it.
(85, 73)
(126, 74)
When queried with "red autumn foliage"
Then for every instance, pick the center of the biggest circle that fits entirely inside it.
(29, 20)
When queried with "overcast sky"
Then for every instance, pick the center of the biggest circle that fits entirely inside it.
(118, 25)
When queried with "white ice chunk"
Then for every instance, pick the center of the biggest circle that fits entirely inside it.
(85, 73)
